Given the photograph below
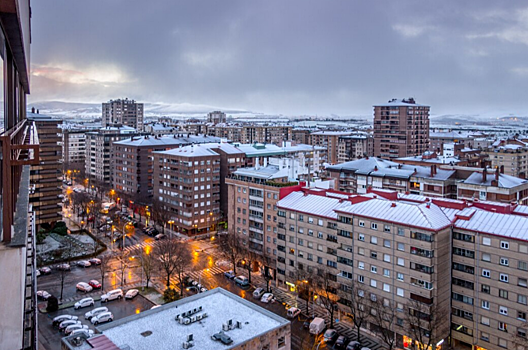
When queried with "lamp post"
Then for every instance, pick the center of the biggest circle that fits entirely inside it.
(170, 222)
(124, 233)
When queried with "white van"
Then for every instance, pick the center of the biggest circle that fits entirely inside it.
(293, 312)
(112, 295)
(317, 326)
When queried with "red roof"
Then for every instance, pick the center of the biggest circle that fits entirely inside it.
(102, 343)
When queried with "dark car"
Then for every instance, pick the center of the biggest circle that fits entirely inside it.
(224, 338)
(341, 342)
(188, 281)
(229, 274)
(353, 345)
(330, 336)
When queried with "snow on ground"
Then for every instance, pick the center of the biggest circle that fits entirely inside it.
(49, 245)
(167, 334)
(82, 238)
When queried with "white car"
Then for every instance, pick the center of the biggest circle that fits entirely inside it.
(131, 293)
(95, 311)
(42, 294)
(84, 287)
(37, 273)
(102, 317)
(58, 319)
(74, 327)
(266, 298)
(293, 312)
(83, 303)
(89, 333)
(95, 261)
(112, 295)
(203, 289)
(64, 267)
(84, 263)
(64, 324)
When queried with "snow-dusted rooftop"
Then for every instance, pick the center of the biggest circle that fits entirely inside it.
(167, 334)
(400, 103)
(312, 204)
(505, 181)
(260, 149)
(505, 225)
(267, 172)
(167, 140)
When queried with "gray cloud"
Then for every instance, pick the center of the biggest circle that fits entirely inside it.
(291, 57)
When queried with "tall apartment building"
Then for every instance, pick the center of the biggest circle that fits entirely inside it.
(73, 147)
(301, 135)
(45, 176)
(330, 141)
(401, 129)
(354, 146)
(132, 162)
(98, 148)
(190, 182)
(123, 112)
(510, 156)
(216, 117)
(403, 253)
(250, 133)
(19, 145)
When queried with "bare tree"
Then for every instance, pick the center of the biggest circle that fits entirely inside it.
(519, 338)
(230, 249)
(383, 316)
(324, 282)
(148, 262)
(124, 263)
(167, 252)
(422, 323)
(159, 214)
(63, 271)
(359, 307)
(265, 262)
(103, 268)
(249, 259)
(182, 261)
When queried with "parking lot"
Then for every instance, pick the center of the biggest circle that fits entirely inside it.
(50, 336)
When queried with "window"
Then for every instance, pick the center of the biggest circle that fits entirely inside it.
(386, 243)
(320, 222)
(386, 287)
(503, 278)
(373, 255)
(361, 279)
(301, 217)
(503, 326)
(374, 269)
(522, 265)
(503, 310)
(485, 273)
(361, 251)
(486, 241)
(485, 304)
(373, 240)
(399, 276)
(484, 336)
(485, 288)
(521, 299)
(503, 293)
(401, 232)
(486, 257)
(503, 343)
(386, 272)
(521, 315)
(361, 265)
(361, 223)
(361, 237)
(401, 247)
(399, 292)
(521, 282)
(374, 226)
(521, 332)
(485, 321)
(386, 228)
(331, 263)
(399, 322)
(505, 245)
(361, 293)
(373, 283)
(401, 262)
(504, 261)
(386, 258)
(281, 342)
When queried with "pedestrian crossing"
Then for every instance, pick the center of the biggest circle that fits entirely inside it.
(201, 276)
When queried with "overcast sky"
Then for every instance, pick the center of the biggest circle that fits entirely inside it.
(286, 56)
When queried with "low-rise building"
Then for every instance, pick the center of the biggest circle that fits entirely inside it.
(493, 186)
(510, 156)
(193, 323)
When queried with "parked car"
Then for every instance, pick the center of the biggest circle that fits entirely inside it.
(58, 319)
(160, 236)
(95, 261)
(43, 295)
(293, 312)
(257, 294)
(45, 270)
(102, 317)
(188, 281)
(222, 337)
(229, 274)
(95, 284)
(64, 324)
(242, 281)
(341, 342)
(95, 311)
(330, 336)
(203, 289)
(74, 327)
(64, 267)
(76, 190)
(266, 298)
(84, 263)
(353, 345)
(85, 302)
(112, 295)
(131, 293)
(88, 332)
(84, 287)
(317, 325)
(155, 307)
(37, 273)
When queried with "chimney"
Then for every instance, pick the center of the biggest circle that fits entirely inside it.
(32, 109)
(432, 170)
(502, 169)
(497, 174)
(484, 175)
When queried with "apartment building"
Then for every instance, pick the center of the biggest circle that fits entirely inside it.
(510, 156)
(401, 129)
(98, 148)
(493, 186)
(301, 135)
(330, 141)
(439, 138)
(132, 164)
(216, 117)
(73, 148)
(354, 146)
(45, 176)
(251, 133)
(190, 182)
(19, 144)
(123, 112)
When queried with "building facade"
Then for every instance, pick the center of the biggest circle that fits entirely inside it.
(510, 157)
(73, 147)
(123, 112)
(216, 117)
(401, 129)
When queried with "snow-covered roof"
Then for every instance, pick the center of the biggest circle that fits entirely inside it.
(260, 149)
(437, 160)
(505, 181)
(267, 172)
(167, 334)
(190, 151)
(505, 225)
(332, 133)
(166, 140)
(312, 204)
(399, 103)
(521, 210)
(428, 216)
(450, 134)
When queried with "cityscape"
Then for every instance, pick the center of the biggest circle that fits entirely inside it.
(266, 193)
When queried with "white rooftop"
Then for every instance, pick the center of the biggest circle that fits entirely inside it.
(312, 204)
(167, 334)
(505, 225)
(400, 103)
(505, 181)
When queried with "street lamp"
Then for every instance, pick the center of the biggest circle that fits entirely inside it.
(124, 233)
(170, 222)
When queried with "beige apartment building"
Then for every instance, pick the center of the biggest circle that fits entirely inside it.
(123, 112)
(511, 159)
